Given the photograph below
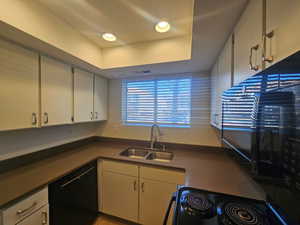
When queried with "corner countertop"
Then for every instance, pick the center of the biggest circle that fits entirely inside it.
(210, 170)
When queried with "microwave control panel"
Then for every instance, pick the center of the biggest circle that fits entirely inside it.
(291, 160)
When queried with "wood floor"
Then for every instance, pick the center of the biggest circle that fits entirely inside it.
(108, 220)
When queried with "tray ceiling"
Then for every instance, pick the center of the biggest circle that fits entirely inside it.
(132, 21)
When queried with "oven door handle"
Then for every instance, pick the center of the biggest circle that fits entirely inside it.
(173, 199)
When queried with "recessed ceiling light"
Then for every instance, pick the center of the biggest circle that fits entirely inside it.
(109, 37)
(162, 27)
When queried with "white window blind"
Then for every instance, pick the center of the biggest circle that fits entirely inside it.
(161, 101)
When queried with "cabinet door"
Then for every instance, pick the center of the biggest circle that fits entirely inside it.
(224, 79)
(100, 98)
(40, 217)
(56, 92)
(283, 19)
(248, 38)
(214, 94)
(120, 195)
(83, 96)
(19, 87)
(154, 199)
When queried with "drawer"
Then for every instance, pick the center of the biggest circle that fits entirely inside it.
(40, 217)
(15, 213)
(120, 167)
(161, 174)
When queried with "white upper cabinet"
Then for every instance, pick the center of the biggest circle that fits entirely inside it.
(100, 98)
(83, 96)
(282, 29)
(56, 92)
(220, 82)
(214, 94)
(248, 42)
(19, 87)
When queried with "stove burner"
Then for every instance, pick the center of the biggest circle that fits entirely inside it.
(196, 204)
(241, 214)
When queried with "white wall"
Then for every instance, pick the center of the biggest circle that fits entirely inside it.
(159, 51)
(20, 142)
(200, 132)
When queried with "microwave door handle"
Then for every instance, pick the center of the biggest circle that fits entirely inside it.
(169, 208)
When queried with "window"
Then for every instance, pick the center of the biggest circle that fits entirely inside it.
(162, 101)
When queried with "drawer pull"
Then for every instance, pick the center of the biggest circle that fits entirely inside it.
(33, 119)
(46, 119)
(45, 218)
(143, 187)
(252, 67)
(268, 59)
(134, 185)
(22, 211)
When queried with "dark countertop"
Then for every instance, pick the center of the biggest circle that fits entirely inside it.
(211, 170)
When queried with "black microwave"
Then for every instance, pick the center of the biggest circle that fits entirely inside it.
(261, 127)
(260, 121)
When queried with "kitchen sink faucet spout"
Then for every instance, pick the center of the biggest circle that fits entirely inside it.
(155, 134)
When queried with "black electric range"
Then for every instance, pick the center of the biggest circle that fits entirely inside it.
(195, 207)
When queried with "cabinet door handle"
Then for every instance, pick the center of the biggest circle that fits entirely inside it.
(46, 119)
(143, 187)
(33, 119)
(45, 217)
(252, 67)
(91, 115)
(96, 115)
(267, 59)
(22, 211)
(134, 185)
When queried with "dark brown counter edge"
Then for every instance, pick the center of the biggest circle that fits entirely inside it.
(26, 159)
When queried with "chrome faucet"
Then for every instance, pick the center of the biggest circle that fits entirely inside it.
(154, 135)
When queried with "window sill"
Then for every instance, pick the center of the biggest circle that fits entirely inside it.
(160, 125)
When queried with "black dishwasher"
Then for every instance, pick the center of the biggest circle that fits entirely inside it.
(73, 198)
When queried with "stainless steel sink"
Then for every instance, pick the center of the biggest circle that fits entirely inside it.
(160, 156)
(136, 153)
(149, 154)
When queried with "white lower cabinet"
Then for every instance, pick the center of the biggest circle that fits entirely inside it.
(31, 210)
(39, 217)
(136, 193)
(154, 200)
(120, 195)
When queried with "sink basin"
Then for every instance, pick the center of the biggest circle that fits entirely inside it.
(160, 156)
(135, 153)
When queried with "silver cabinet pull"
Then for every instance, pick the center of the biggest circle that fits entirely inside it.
(91, 115)
(33, 119)
(134, 185)
(268, 59)
(45, 217)
(22, 211)
(252, 67)
(143, 187)
(46, 119)
(96, 115)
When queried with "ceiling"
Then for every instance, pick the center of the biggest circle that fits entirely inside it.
(132, 21)
(214, 21)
